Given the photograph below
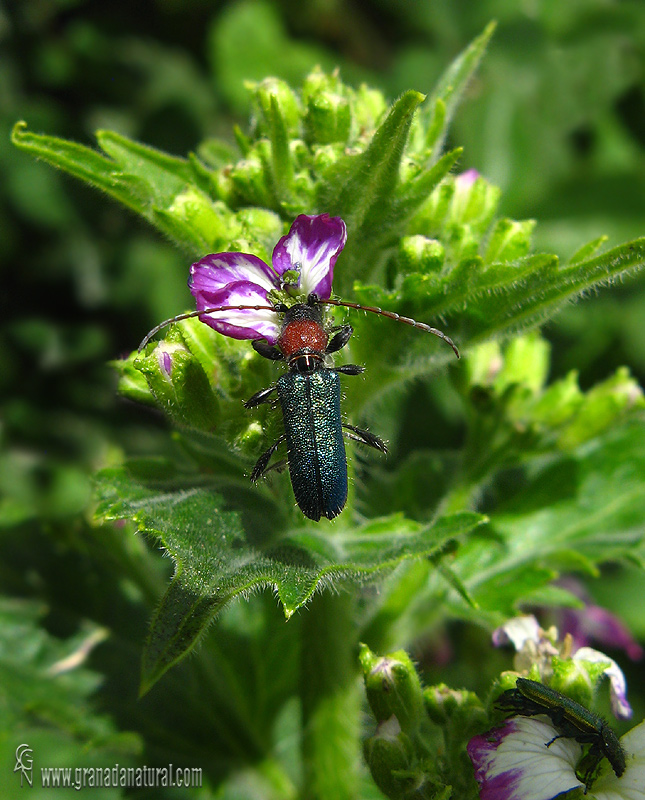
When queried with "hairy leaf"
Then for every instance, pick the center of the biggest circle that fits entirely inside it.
(219, 559)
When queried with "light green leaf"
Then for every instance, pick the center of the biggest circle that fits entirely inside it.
(603, 480)
(143, 179)
(360, 188)
(442, 103)
(485, 301)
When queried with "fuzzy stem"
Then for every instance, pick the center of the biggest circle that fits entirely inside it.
(330, 699)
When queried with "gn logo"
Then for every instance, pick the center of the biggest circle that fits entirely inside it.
(24, 764)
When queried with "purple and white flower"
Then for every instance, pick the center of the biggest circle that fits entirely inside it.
(308, 252)
(513, 762)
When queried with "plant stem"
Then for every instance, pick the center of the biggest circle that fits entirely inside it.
(330, 696)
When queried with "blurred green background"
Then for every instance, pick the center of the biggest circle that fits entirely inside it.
(555, 117)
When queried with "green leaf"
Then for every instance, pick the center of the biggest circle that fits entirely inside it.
(164, 174)
(604, 480)
(415, 191)
(45, 685)
(486, 301)
(143, 179)
(588, 250)
(84, 163)
(220, 556)
(596, 504)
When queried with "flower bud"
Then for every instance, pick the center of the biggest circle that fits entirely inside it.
(577, 678)
(509, 240)
(179, 385)
(210, 222)
(249, 180)
(260, 226)
(526, 362)
(393, 688)
(474, 201)
(275, 97)
(444, 704)
(370, 107)
(420, 254)
(328, 116)
(390, 756)
(601, 407)
(325, 156)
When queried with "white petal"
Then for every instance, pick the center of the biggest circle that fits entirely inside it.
(521, 766)
(517, 631)
(617, 683)
(631, 785)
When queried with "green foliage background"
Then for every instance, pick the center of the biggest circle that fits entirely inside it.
(554, 117)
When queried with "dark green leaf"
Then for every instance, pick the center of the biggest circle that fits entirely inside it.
(218, 559)
(44, 680)
(594, 514)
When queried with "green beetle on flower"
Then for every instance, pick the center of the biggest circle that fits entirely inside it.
(241, 296)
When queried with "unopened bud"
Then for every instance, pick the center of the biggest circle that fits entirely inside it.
(393, 688)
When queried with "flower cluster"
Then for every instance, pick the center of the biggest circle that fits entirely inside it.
(530, 757)
(536, 646)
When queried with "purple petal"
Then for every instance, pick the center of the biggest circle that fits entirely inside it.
(311, 247)
(467, 178)
(240, 323)
(512, 762)
(229, 279)
(165, 361)
(598, 624)
(212, 273)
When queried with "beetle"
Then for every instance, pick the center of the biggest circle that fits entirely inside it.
(573, 720)
(309, 397)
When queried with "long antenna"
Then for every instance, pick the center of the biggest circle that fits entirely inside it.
(397, 317)
(190, 314)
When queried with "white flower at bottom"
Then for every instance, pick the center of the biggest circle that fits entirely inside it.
(631, 785)
(512, 762)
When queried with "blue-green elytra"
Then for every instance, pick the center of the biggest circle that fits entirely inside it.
(309, 398)
(573, 720)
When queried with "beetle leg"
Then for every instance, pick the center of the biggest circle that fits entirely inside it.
(261, 467)
(365, 437)
(267, 350)
(263, 396)
(340, 339)
(348, 369)
(277, 467)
